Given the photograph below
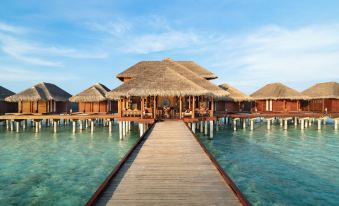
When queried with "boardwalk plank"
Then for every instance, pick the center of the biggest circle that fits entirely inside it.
(170, 168)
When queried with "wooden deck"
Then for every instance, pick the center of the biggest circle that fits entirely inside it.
(169, 168)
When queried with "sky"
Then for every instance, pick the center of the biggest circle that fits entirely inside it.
(248, 44)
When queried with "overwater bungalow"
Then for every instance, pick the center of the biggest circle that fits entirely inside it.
(6, 107)
(94, 100)
(324, 98)
(277, 97)
(166, 89)
(41, 98)
(236, 102)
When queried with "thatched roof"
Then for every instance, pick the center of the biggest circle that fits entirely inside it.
(137, 72)
(95, 93)
(42, 91)
(5, 93)
(235, 94)
(196, 68)
(276, 91)
(161, 82)
(192, 66)
(324, 90)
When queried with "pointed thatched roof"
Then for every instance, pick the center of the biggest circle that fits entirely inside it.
(161, 82)
(276, 91)
(235, 94)
(42, 91)
(5, 93)
(137, 71)
(95, 93)
(196, 68)
(325, 90)
(192, 66)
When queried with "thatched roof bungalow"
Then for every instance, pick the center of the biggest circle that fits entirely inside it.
(168, 82)
(237, 101)
(6, 107)
(277, 97)
(324, 98)
(41, 98)
(93, 100)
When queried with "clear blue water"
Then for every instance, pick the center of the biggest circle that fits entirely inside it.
(279, 167)
(57, 169)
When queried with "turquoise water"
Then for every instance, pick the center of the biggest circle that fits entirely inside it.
(279, 167)
(57, 169)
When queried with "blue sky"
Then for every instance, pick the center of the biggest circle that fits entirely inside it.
(246, 43)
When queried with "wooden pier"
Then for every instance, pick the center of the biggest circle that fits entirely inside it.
(169, 168)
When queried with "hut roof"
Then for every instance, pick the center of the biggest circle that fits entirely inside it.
(277, 91)
(196, 68)
(95, 93)
(5, 93)
(235, 94)
(42, 91)
(323, 90)
(192, 66)
(161, 82)
(140, 68)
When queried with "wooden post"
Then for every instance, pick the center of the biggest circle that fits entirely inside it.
(211, 129)
(206, 127)
(180, 107)
(142, 107)
(302, 124)
(92, 125)
(268, 124)
(109, 126)
(193, 107)
(120, 130)
(155, 107)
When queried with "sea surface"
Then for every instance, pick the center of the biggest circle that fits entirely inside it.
(280, 167)
(57, 169)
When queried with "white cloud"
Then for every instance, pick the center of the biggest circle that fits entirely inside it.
(165, 41)
(13, 74)
(271, 54)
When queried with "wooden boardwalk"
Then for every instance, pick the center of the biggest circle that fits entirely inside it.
(169, 168)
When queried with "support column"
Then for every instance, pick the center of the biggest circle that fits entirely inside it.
(206, 127)
(335, 124)
(268, 124)
(55, 126)
(109, 126)
(302, 124)
(319, 124)
(211, 129)
(92, 126)
(74, 125)
(193, 127)
(17, 126)
(120, 130)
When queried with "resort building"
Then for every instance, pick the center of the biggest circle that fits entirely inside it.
(236, 102)
(166, 89)
(277, 97)
(6, 107)
(93, 100)
(41, 98)
(324, 98)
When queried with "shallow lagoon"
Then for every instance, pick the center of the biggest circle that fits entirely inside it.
(280, 167)
(57, 169)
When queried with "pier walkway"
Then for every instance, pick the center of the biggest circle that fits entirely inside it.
(170, 168)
